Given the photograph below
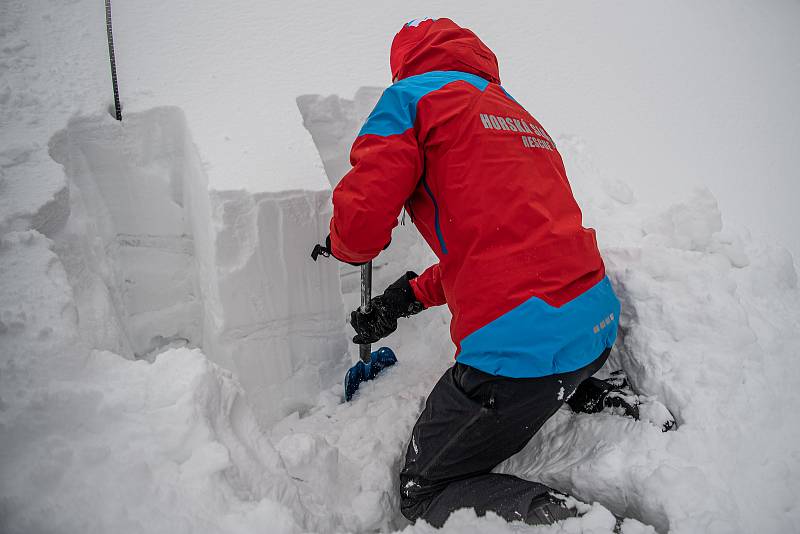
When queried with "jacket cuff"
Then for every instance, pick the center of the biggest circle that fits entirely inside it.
(341, 257)
(350, 257)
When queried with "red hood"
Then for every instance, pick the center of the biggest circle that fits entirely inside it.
(440, 44)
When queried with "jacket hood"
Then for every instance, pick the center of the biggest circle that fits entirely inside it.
(440, 44)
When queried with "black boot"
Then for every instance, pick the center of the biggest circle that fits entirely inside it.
(615, 395)
(594, 395)
(548, 508)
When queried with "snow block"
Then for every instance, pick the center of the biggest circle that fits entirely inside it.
(333, 123)
(129, 242)
(278, 318)
(157, 259)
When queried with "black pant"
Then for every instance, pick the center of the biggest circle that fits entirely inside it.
(472, 421)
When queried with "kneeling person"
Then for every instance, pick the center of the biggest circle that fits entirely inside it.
(534, 314)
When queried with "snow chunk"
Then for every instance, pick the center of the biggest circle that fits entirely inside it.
(688, 226)
(334, 123)
(134, 447)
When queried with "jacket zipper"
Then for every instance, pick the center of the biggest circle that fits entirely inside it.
(436, 224)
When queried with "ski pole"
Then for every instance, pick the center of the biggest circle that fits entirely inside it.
(365, 349)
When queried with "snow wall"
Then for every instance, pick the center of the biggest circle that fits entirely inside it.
(157, 260)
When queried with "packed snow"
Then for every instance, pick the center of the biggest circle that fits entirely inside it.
(171, 358)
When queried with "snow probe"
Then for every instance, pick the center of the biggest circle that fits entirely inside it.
(113, 61)
(370, 363)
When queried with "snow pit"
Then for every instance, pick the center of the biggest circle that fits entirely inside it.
(709, 326)
(157, 260)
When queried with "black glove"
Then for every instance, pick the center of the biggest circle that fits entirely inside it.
(381, 318)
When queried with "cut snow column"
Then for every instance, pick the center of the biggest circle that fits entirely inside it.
(333, 123)
(272, 315)
(128, 245)
(278, 319)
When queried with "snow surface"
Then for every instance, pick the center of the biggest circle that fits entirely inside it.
(170, 358)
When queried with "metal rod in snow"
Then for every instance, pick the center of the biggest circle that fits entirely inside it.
(365, 350)
(110, 35)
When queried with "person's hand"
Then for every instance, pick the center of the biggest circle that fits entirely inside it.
(380, 318)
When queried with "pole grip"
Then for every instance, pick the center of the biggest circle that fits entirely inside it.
(365, 350)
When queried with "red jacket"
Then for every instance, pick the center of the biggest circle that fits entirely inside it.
(487, 189)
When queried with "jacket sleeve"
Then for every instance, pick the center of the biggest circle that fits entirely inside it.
(428, 288)
(387, 165)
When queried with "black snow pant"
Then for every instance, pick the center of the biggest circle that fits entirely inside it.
(473, 421)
